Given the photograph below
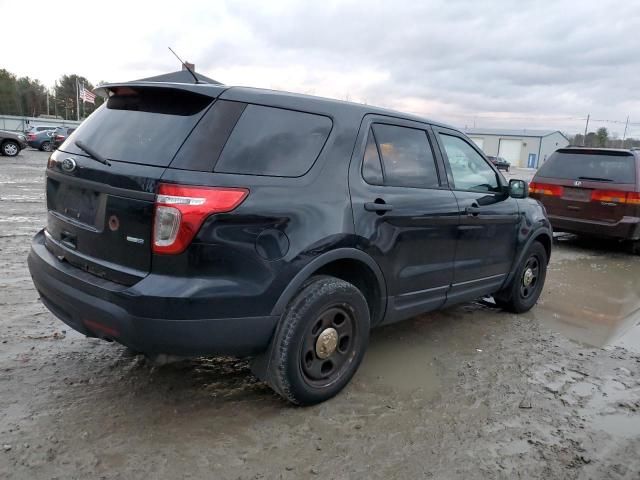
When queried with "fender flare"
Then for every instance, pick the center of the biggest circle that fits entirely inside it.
(534, 236)
(324, 259)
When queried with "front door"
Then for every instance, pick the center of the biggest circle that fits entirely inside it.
(405, 216)
(487, 232)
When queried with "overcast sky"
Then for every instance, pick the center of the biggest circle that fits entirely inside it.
(500, 63)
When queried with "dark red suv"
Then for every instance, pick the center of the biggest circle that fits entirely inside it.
(593, 191)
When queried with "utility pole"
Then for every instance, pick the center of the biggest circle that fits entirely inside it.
(586, 127)
(624, 135)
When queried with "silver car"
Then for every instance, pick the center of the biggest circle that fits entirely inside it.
(11, 143)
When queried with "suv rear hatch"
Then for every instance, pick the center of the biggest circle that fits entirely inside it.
(100, 217)
(588, 184)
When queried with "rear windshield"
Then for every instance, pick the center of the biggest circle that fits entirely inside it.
(145, 126)
(618, 168)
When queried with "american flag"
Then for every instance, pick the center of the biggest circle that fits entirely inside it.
(87, 95)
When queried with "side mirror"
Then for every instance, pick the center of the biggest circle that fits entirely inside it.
(518, 189)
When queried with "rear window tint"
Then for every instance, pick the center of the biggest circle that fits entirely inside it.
(371, 166)
(606, 168)
(145, 126)
(203, 147)
(274, 142)
(407, 158)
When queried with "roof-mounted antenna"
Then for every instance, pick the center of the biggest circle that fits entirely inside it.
(185, 66)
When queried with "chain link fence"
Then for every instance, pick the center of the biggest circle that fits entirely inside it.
(22, 124)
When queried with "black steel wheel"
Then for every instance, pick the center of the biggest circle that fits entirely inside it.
(530, 277)
(327, 346)
(320, 341)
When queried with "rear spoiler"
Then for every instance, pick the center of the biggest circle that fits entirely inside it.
(207, 89)
(614, 152)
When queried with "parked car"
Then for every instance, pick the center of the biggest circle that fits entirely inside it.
(246, 222)
(40, 128)
(499, 162)
(11, 143)
(42, 140)
(60, 135)
(592, 191)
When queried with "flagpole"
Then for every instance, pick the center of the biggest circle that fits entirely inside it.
(77, 99)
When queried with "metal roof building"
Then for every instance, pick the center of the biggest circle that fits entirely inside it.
(522, 148)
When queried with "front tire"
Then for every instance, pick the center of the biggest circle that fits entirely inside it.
(10, 148)
(320, 341)
(525, 288)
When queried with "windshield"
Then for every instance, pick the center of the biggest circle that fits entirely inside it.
(574, 166)
(145, 126)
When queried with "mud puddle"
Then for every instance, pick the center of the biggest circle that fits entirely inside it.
(409, 356)
(594, 299)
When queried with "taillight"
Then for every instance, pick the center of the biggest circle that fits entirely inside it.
(181, 210)
(546, 189)
(633, 198)
(614, 196)
(59, 137)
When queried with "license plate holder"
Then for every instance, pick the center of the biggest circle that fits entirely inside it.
(577, 194)
(78, 204)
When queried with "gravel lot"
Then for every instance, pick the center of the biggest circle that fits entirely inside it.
(469, 393)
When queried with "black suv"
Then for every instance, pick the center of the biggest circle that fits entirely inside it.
(203, 219)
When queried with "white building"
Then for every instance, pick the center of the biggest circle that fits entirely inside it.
(522, 148)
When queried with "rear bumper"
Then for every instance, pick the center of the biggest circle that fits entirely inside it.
(626, 229)
(98, 308)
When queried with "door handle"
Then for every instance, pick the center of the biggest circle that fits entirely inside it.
(473, 210)
(378, 207)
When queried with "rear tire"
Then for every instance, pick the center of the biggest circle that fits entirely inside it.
(525, 288)
(46, 147)
(320, 341)
(634, 247)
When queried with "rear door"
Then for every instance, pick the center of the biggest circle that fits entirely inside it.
(100, 217)
(487, 231)
(405, 216)
(587, 184)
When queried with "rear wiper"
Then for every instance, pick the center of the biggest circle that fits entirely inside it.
(92, 153)
(596, 179)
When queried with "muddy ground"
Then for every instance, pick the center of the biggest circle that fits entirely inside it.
(471, 392)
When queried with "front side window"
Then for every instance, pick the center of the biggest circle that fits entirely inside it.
(407, 158)
(469, 170)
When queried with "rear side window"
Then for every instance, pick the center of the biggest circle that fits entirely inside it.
(372, 166)
(141, 125)
(274, 142)
(407, 158)
(618, 167)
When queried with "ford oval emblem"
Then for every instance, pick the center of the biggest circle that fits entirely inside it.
(68, 165)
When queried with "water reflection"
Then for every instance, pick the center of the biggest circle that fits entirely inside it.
(594, 299)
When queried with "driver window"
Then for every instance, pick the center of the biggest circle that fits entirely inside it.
(470, 171)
